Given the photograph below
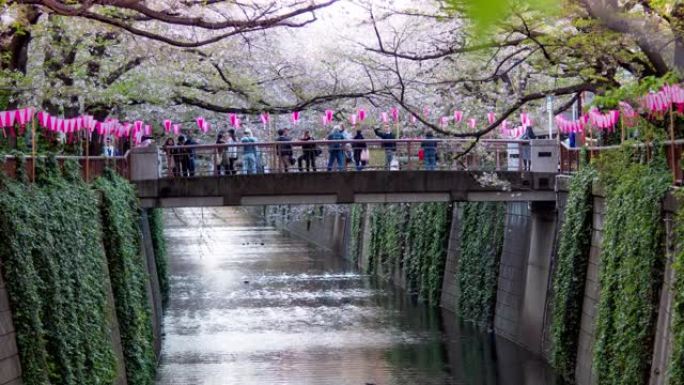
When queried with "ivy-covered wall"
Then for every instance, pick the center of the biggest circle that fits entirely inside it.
(54, 267)
(676, 369)
(119, 209)
(156, 218)
(482, 234)
(632, 258)
(569, 276)
(408, 241)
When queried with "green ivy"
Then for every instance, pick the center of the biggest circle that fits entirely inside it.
(354, 244)
(156, 218)
(482, 230)
(676, 370)
(570, 273)
(127, 271)
(413, 237)
(54, 266)
(631, 266)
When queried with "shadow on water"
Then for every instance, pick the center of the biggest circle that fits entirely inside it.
(250, 305)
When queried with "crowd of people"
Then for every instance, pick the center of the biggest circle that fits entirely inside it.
(243, 155)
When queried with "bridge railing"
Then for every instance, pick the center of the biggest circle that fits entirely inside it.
(347, 155)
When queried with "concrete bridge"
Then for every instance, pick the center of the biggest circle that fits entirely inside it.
(506, 181)
(347, 187)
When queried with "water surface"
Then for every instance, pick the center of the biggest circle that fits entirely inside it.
(250, 305)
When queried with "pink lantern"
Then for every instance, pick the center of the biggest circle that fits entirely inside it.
(329, 116)
(9, 119)
(444, 121)
(176, 129)
(265, 118)
(233, 118)
(458, 116)
(295, 117)
(19, 116)
(491, 118)
(352, 119)
(148, 129)
(394, 111)
(413, 119)
(200, 123)
(472, 123)
(525, 120)
(167, 125)
(384, 117)
(361, 114)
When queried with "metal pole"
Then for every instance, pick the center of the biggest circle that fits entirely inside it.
(87, 155)
(672, 146)
(549, 111)
(33, 149)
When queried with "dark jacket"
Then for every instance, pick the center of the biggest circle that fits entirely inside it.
(359, 146)
(308, 147)
(284, 149)
(429, 147)
(387, 136)
(190, 151)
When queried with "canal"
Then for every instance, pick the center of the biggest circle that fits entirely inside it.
(251, 305)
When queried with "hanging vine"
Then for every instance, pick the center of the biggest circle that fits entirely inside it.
(482, 230)
(354, 240)
(156, 218)
(119, 210)
(55, 272)
(570, 272)
(631, 266)
(414, 238)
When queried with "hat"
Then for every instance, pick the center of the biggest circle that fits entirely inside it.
(248, 131)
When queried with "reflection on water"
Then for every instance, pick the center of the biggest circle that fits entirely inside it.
(250, 305)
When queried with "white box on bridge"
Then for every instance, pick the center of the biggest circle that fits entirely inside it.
(513, 156)
(544, 155)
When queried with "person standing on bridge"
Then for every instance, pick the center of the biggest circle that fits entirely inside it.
(390, 147)
(308, 153)
(190, 155)
(359, 147)
(336, 153)
(109, 150)
(526, 150)
(232, 151)
(429, 147)
(284, 151)
(249, 153)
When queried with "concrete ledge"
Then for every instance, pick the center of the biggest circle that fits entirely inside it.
(343, 187)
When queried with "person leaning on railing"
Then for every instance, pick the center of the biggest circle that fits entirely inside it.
(170, 150)
(336, 153)
(359, 149)
(429, 151)
(249, 153)
(390, 147)
(309, 153)
(232, 151)
(284, 151)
